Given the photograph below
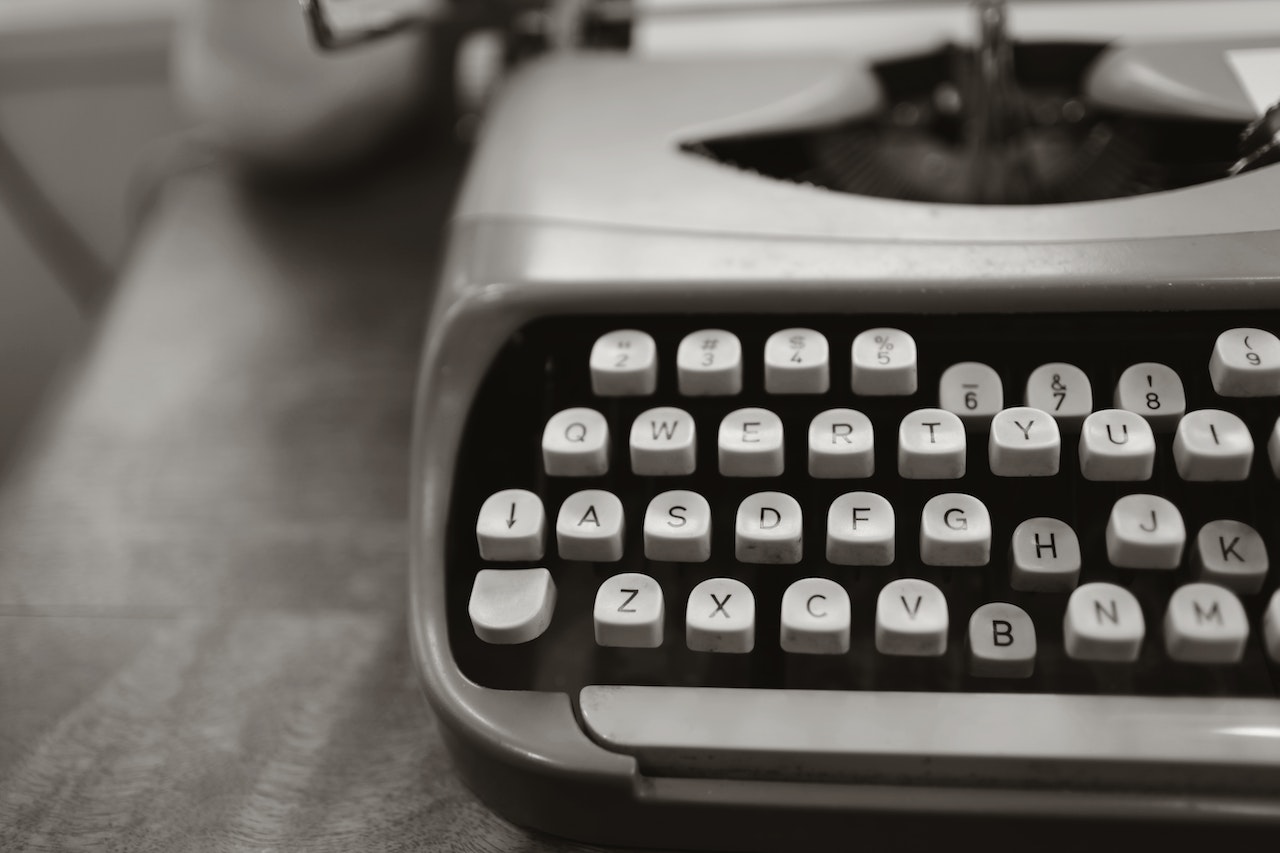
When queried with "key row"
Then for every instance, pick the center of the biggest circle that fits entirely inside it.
(883, 362)
(1143, 532)
(1114, 445)
(1203, 622)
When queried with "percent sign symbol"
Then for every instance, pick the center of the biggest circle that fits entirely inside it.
(883, 346)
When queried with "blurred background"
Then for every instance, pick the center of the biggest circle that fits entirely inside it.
(84, 103)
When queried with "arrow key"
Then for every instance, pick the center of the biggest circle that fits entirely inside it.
(511, 526)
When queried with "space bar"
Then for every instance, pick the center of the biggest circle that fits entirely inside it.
(933, 737)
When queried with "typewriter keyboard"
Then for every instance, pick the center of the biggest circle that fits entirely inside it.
(1073, 503)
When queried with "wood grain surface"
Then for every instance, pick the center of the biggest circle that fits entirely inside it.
(203, 548)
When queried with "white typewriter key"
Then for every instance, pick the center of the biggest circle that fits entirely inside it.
(972, 390)
(575, 443)
(884, 363)
(624, 364)
(1024, 442)
(841, 444)
(709, 363)
(1002, 642)
(511, 526)
(750, 444)
(1103, 623)
(1246, 363)
(1211, 444)
(911, 619)
(1230, 554)
(860, 530)
(1145, 532)
(1063, 390)
(677, 528)
(931, 446)
(797, 361)
(1117, 445)
(590, 527)
(1153, 391)
(955, 530)
(1205, 623)
(769, 529)
(1044, 556)
(629, 611)
(1273, 448)
(721, 617)
(815, 618)
(1271, 627)
(510, 606)
(663, 443)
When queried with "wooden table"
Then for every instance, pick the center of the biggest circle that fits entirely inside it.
(203, 550)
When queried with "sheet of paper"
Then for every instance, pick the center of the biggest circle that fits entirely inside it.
(1258, 71)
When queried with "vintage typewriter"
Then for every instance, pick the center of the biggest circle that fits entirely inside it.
(851, 422)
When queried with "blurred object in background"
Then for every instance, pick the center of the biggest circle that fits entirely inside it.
(249, 73)
(83, 91)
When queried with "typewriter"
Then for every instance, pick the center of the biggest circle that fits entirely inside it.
(859, 422)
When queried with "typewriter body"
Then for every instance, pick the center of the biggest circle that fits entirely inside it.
(850, 421)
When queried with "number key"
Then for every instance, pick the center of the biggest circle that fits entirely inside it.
(1153, 391)
(971, 390)
(624, 363)
(796, 361)
(1246, 363)
(1062, 390)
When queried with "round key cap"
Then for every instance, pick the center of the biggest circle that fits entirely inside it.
(1024, 442)
(1063, 390)
(1002, 642)
(575, 443)
(769, 529)
(1044, 556)
(797, 361)
(663, 443)
(721, 617)
(709, 363)
(750, 444)
(971, 390)
(1145, 532)
(590, 527)
(883, 363)
(931, 446)
(1271, 627)
(511, 606)
(1117, 445)
(629, 612)
(1273, 448)
(911, 619)
(1103, 622)
(955, 530)
(815, 618)
(1205, 623)
(677, 528)
(624, 364)
(1212, 445)
(1230, 554)
(511, 526)
(860, 530)
(841, 445)
(1153, 391)
(1246, 363)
